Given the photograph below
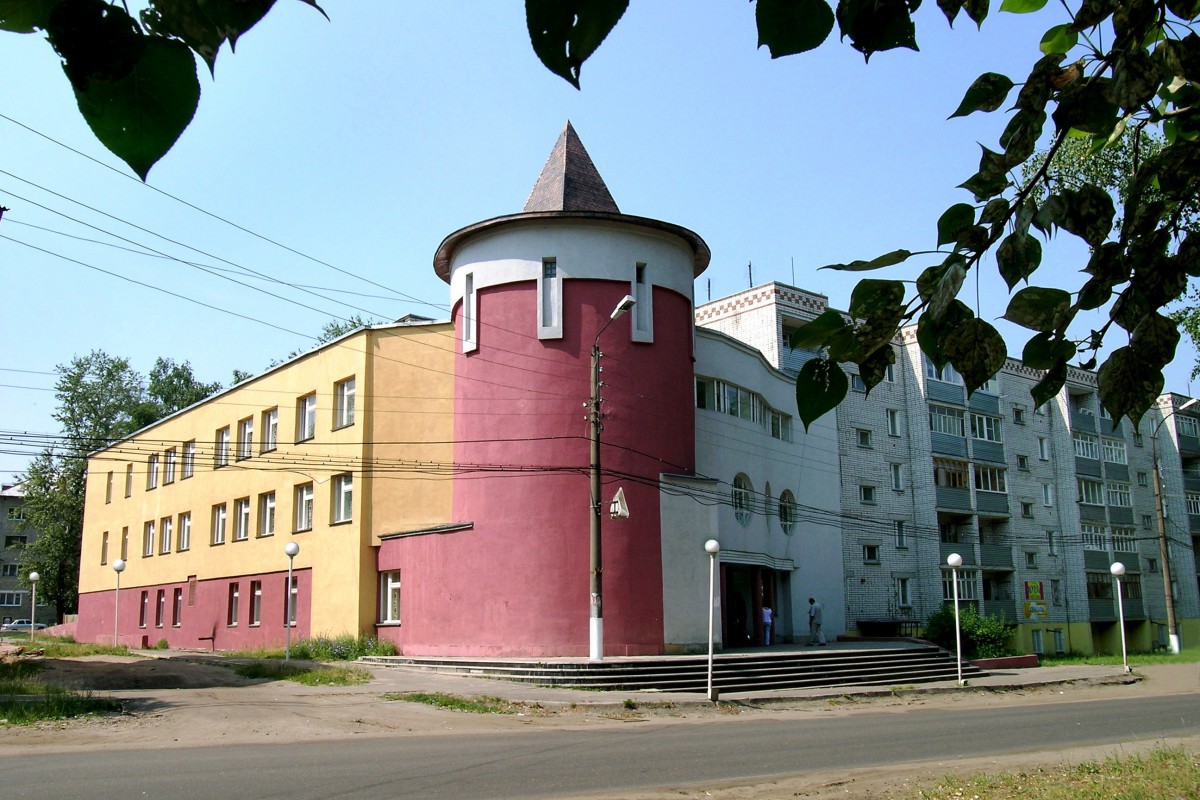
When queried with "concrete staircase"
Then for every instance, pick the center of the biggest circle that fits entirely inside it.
(732, 672)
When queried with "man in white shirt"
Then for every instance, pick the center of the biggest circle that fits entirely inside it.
(815, 636)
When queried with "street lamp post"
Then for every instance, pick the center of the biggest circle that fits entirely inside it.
(33, 580)
(712, 547)
(955, 561)
(290, 549)
(596, 620)
(1117, 570)
(118, 567)
(1163, 548)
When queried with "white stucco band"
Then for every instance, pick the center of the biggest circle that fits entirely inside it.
(583, 249)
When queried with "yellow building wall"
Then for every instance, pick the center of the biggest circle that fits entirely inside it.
(403, 394)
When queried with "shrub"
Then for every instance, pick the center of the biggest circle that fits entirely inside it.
(341, 648)
(982, 636)
(161, 644)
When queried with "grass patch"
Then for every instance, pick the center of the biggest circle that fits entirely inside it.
(454, 702)
(1161, 773)
(308, 675)
(40, 703)
(325, 648)
(1187, 655)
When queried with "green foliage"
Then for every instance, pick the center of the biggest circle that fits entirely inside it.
(982, 636)
(20, 679)
(331, 330)
(339, 648)
(453, 702)
(308, 675)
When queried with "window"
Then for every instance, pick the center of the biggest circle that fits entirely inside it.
(741, 499)
(857, 383)
(185, 531)
(985, 428)
(148, 539)
(1187, 426)
(152, 472)
(903, 593)
(1123, 540)
(166, 536)
(13, 540)
(221, 453)
(270, 430)
(144, 612)
(108, 488)
(189, 459)
(1023, 463)
(1082, 404)
(292, 593)
(1142, 479)
(129, 480)
(12, 599)
(1043, 448)
(389, 597)
(1146, 520)
(1090, 492)
(893, 421)
(990, 386)
(245, 445)
(241, 519)
(949, 421)
(160, 607)
(1137, 439)
(1114, 451)
(901, 534)
(103, 554)
(1027, 510)
(866, 495)
(231, 613)
(966, 584)
(989, 479)
(266, 514)
(125, 543)
(306, 417)
(945, 374)
(1095, 538)
(1035, 641)
(177, 608)
(1099, 586)
(169, 466)
(949, 474)
(1193, 502)
(864, 437)
(343, 407)
(787, 511)
(870, 553)
(1151, 565)
(549, 290)
(897, 474)
(255, 602)
(1052, 543)
(642, 293)
(1018, 415)
(1105, 413)
(1085, 446)
(1118, 495)
(218, 524)
(468, 313)
(889, 373)
(735, 401)
(1048, 494)
(1030, 559)
(304, 507)
(343, 498)
(1056, 592)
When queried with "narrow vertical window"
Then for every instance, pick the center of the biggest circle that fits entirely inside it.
(125, 543)
(144, 612)
(255, 602)
(306, 417)
(231, 615)
(270, 430)
(291, 600)
(389, 598)
(189, 459)
(304, 507)
(169, 467)
(177, 607)
(241, 519)
(343, 498)
(108, 488)
(148, 539)
(643, 311)
(266, 514)
(152, 472)
(166, 535)
(160, 607)
(343, 408)
(104, 548)
(245, 445)
(550, 300)
(129, 480)
(221, 448)
(218, 524)
(469, 311)
(185, 531)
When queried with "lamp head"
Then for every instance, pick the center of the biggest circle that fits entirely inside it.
(34, 577)
(712, 547)
(119, 566)
(1117, 569)
(627, 302)
(954, 560)
(291, 549)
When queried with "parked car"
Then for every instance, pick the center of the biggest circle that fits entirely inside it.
(22, 625)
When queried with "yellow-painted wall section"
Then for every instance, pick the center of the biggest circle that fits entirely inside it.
(402, 395)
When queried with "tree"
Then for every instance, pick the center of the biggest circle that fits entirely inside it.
(101, 399)
(330, 331)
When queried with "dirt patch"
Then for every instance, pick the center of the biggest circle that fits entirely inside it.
(121, 673)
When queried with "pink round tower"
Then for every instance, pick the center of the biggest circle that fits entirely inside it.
(531, 294)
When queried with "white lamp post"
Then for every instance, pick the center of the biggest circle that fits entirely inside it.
(955, 561)
(596, 584)
(712, 547)
(33, 579)
(290, 549)
(118, 567)
(1117, 570)
(1163, 548)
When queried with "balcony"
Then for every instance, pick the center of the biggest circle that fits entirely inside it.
(1004, 609)
(995, 556)
(991, 503)
(1103, 610)
(953, 499)
(1082, 421)
(962, 548)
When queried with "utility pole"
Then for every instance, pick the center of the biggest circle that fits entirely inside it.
(1163, 548)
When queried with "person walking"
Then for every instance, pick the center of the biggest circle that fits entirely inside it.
(768, 619)
(815, 635)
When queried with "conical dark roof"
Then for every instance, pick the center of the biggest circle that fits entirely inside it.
(570, 181)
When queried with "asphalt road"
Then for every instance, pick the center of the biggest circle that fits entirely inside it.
(563, 762)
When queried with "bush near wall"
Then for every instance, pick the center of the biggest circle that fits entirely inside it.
(983, 636)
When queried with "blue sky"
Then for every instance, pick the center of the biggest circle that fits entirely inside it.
(362, 141)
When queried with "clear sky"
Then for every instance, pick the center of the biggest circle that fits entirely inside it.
(362, 141)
